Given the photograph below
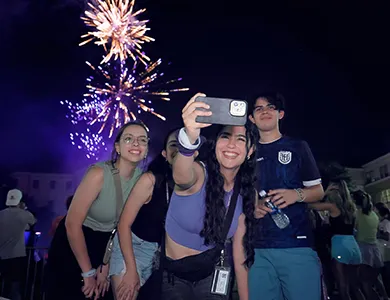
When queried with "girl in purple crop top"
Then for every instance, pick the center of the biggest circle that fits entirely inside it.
(195, 218)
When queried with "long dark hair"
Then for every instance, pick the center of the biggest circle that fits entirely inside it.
(114, 154)
(383, 211)
(215, 206)
(159, 166)
(363, 200)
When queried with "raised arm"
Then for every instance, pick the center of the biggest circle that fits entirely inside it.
(86, 193)
(239, 259)
(185, 170)
(326, 206)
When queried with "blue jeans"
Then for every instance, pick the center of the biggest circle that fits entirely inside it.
(144, 253)
(285, 274)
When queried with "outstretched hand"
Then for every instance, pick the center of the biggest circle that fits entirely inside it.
(189, 114)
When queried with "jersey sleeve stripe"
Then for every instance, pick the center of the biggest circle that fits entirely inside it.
(312, 182)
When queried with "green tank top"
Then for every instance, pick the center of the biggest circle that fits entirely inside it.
(102, 213)
(367, 227)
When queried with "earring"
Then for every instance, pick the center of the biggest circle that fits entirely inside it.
(119, 153)
(248, 157)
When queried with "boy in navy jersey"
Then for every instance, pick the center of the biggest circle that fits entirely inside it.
(285, 265)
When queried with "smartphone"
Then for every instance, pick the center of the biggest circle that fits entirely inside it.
(225, 111)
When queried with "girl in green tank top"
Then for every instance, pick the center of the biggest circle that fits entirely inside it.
(92, 217)
(367, 227)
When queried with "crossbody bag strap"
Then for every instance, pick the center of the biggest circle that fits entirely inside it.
(232, 207)
(118, 190)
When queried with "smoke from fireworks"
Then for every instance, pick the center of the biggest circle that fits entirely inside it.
(116, 95)
(116, 25)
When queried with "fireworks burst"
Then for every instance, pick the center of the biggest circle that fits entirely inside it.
(117, 95)
(116, 25)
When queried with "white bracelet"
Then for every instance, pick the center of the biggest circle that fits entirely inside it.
(90, 273)
(185, 141)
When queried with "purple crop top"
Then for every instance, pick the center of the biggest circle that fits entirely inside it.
(185, 218)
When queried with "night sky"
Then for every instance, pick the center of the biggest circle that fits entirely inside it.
(330, 60)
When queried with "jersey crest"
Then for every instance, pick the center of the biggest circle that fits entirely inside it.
(284, 157)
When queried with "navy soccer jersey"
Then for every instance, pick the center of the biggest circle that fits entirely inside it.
(285, 164)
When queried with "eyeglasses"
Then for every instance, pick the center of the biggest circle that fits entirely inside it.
(268, 107)
(141, 140)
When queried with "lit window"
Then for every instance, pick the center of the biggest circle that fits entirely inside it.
(385, 196)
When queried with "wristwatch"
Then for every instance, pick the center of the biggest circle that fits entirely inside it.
(301, 195)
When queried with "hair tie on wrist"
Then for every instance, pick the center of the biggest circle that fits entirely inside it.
(184, 144)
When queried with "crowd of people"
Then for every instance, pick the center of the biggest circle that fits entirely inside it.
(205, 213)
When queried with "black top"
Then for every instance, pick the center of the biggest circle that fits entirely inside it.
(149, 223)
(338, 226)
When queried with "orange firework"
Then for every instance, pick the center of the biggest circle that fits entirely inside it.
(117, 27)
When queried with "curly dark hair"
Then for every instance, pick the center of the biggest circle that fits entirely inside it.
(215, 206)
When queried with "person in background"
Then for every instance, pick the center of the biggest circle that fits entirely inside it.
(345, 252)
(321, 244)
(367, 223)
(199, 203)
(286, 266)
(384, 241)
(58, 219)
(141, 227)
(14, 221)
(75, 264)
(384, 221)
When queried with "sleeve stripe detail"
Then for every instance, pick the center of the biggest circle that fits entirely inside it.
(312, 182)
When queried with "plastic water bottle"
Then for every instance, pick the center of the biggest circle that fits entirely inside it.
(280, 218)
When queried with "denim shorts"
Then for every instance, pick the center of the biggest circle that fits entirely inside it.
(144, 253)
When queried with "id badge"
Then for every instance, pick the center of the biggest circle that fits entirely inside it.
(221, 280)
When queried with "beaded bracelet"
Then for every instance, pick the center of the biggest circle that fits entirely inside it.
(301, 195)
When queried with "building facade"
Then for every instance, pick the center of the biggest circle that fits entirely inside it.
(46, 188)
(374, 177)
